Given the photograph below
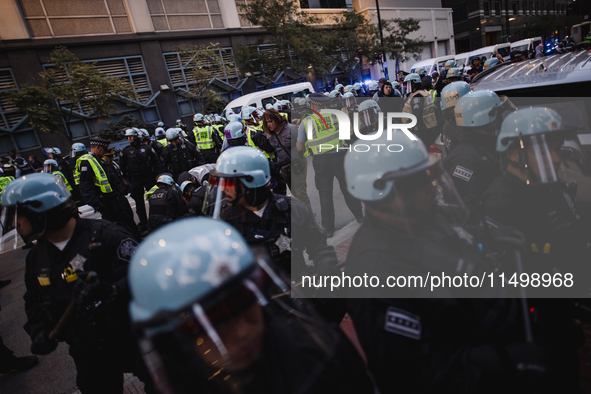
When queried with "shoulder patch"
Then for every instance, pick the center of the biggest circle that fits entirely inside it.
(403, 323)
(126, 249)
(463, 173)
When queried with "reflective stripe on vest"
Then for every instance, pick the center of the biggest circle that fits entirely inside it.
(203, 137)
(151, 191)
(321, 136)
(220, 130)
(163, 142)
(100, 177)
(5, 180)
(58, 173)
(251, 142)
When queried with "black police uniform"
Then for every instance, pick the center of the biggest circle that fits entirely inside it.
(98, 333)
(451, 131)
(473, 165)
(557, 240)
(196, 201)
(434, 344)
(113, 206)
(139, 164)
(181, 157)
(157, 146)
(166, 205)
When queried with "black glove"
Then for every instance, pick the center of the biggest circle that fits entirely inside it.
(92, 289)
(42, 345)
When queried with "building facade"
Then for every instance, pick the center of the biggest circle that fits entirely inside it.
(139, 39)
(479, 23)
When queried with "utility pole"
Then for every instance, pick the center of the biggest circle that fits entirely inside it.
(507, 20)
(382, 41)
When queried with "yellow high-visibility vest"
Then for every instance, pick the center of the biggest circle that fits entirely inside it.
(100, 176)
(59, 173)
(321, 135)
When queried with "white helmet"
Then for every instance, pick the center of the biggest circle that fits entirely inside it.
(132, 132)
(197, 117)
(159, 132)
(160, 124)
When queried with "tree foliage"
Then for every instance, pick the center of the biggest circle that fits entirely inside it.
(68, 89)
(397, 42)
(296, 41)
(202, 64)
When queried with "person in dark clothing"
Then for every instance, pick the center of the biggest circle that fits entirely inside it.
(76, 263)
(23, 167)
(240, 329)
(473, 162)
(38, 167)
(180, 155)
(166, 204)
(139, 164)
(437, 342)
(97, 182)
(477, 67)
(9, 362)
(450, 95)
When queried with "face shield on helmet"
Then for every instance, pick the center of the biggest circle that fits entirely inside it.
(405, 184)
(49, 166)
(537, 148)
(349, 100)
(212, 316)
(241, 178)
(369, 115)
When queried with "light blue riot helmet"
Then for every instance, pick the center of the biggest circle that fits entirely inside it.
(198, 118)
(244, 162)
(172, 133)
(450, 64)
(234, 118)
(327, 94)
(339, 87)
(184, 186)
(402, 178)
(477, 109)
(268, 106)
(454, 74)
(490, 63)
(234, 130)
(178, 122)
(395, 84)
(349, 99)
(451, 94)
(144, 133)
(165, 179)
(181, 264)
(368, 112)
(78, 149)
(357, 86)
(160, 124)
(159, 133)
(334, 94)
(132, 132)
(421, 72)
(42, 199)
(248, 113)
(414, 78)
(535, 141)
(277, 106)
(49, 166)
(56, 151)
(349, 89)
(373, 85)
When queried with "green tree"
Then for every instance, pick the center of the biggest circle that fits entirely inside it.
(294, 40)
(70, 88)
(202, 64)
(397, 43)
(353, 36)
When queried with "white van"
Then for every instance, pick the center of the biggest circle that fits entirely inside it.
(263, 97)
(486, 52)
(528, 45)
(432, 65)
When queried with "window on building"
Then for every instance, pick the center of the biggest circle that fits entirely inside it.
(486, 8)
(524, 7)
(131, 69)
(323, 4)
(497, 8)
(49, 18)
(515, 8)
(460, 14)
(179, 70)
(170, 15)
(531, 8)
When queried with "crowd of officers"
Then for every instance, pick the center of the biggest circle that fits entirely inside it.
(207, 303)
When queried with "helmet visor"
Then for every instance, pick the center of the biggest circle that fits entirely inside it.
(234, 339)
(349, 102)
(47, 168)
(8, 225)
(419, 200)
(368, 117)
(226, 192)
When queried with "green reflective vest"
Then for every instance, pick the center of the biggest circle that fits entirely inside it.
(163, 141)
(203, 138)
(251, 142)
(63, 177)
(321, 135)
(149, 192)
(5, 180)
(100, 176)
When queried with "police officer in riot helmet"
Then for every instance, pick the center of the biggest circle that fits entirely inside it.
(166, 203)
(75, 263)
(473, 162)
(421, 104)
(540, 158)
(180, 155)
(413, 226)
(194, 190)
(139, 163)
(99, 186)
(222, 319)
(450, 95)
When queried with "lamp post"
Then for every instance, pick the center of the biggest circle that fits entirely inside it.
(382, 41)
